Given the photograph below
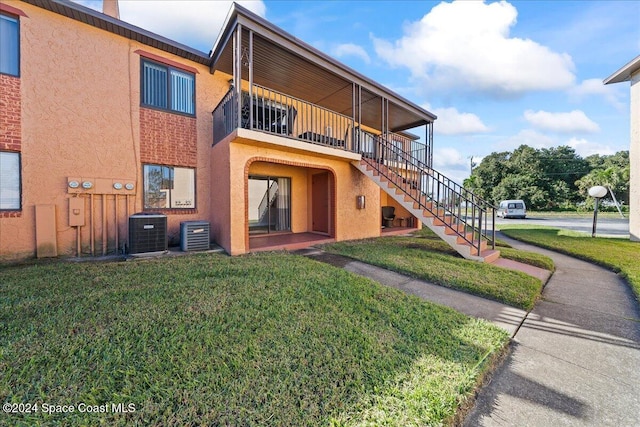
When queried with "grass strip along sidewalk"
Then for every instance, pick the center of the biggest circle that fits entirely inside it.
(269, 339)
(427, 257)
(621, 255)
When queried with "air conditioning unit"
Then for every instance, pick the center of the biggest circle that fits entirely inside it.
(194, 235)
(147, 233)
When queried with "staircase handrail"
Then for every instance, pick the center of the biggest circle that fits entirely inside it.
(444, 201)
(267, 199)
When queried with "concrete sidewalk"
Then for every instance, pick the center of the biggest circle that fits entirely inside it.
(575, 358)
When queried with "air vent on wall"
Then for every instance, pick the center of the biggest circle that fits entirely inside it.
(147, 233)
(194, 235)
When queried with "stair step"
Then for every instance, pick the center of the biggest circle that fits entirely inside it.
(455, 229)
(402, 191)
(461, 240)
(473, 251)
(438, 220)
(490, 255)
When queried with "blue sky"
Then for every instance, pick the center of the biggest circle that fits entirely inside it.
(497, 74)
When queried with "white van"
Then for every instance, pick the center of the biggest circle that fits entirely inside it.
(512, 209)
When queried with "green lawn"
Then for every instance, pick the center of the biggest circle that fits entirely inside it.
(270, 339)
(427, 257)
(619, 254)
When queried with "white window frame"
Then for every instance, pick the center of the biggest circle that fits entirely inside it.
(10, 184)
(177, 185)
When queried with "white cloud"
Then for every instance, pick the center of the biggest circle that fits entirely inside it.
(613, 94)
(449, 162)
(586, 148)
(525, 137)
(574, 121)
(350, 49)
(452, 122)
(467, 44)
(537, 140)
(191, 22)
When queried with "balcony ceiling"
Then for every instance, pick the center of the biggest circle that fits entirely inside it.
(298, 70)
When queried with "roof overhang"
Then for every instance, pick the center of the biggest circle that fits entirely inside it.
(281, 62)
(624, 74)
(105, 22)
(286, 64)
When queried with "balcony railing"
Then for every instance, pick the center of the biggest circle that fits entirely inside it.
(279, 114)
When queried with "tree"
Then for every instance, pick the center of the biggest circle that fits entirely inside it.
(488, 175)
(609, 171)
(563, 165)
(547, 178)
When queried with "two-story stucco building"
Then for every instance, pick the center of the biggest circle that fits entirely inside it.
(267, 139)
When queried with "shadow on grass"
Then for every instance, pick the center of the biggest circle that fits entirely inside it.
(213, 340)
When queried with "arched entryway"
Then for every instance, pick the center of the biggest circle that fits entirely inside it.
(289, 205)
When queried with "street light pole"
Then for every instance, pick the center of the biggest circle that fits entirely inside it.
(595, 216)
(597, 193)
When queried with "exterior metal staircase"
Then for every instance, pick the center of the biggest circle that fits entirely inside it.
(456, 215)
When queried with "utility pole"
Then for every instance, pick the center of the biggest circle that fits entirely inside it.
(472, 165)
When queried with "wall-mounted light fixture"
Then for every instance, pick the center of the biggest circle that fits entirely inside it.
(360, 202)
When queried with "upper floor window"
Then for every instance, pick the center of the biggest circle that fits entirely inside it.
(167, 88)
(9, 45)
(9, 181)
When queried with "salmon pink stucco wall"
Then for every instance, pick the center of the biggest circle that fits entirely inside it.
(80, 118)
(253, 156)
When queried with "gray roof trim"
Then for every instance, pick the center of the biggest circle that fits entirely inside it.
(99, 20)
(223, 38)
(240, 15)
(624, 74)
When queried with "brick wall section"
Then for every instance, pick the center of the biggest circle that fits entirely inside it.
(10, 126)
(168, 139)
(10, 122)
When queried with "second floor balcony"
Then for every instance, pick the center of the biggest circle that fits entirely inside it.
(284, 87)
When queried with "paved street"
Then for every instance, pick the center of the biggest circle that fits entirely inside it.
(606, 227)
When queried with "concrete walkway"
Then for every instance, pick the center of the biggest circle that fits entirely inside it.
(575, 359)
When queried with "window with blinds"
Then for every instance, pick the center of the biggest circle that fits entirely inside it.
(10, 181)
(9, 45)
(167, 88)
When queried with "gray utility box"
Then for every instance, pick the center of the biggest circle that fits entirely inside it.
(147, 233)
(194, 235)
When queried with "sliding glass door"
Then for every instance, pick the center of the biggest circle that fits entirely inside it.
(269, 204)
